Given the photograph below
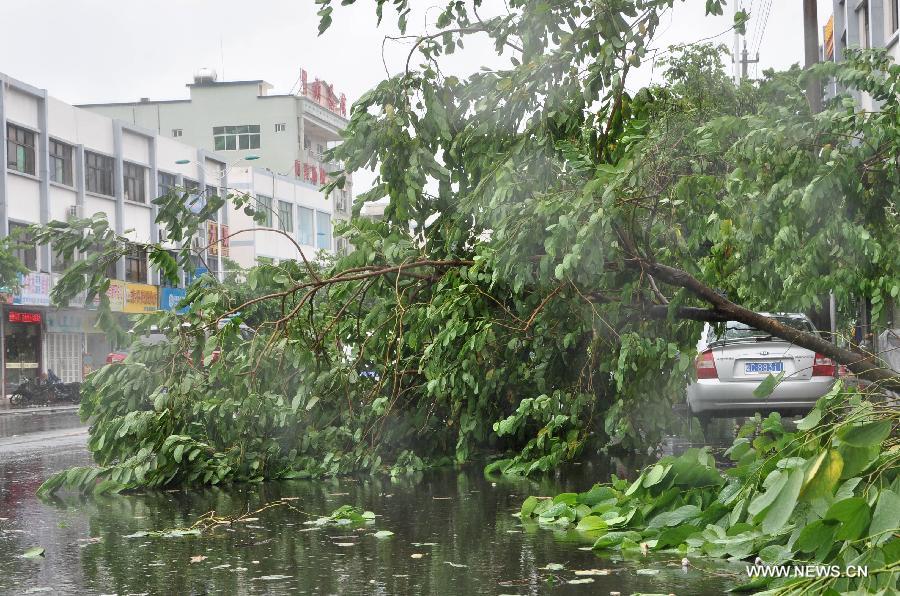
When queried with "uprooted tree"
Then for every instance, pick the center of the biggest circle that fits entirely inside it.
(549, 244)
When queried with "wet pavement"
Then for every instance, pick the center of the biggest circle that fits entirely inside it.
(460, 522)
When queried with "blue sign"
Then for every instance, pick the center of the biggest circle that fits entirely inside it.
(170, 297)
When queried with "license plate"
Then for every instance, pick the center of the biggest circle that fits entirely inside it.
(754, 368)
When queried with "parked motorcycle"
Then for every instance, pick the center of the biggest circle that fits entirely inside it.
(45, 391)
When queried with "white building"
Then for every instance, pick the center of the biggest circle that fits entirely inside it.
(290, 132)
(63, 161)
(862, 24)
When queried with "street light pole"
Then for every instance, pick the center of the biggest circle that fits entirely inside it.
(221, 178)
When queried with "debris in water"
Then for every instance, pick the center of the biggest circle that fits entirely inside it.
(647, 571)
(223, 566)
(270, 578)
(34, 552)
(383, 534)
(686, 563)
(554, 567)
(198, 558)
(416, 555)
(345, 544)
(452, 564)
(592, 572)
(584, 580)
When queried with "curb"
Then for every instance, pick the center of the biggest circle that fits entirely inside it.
(8, 411)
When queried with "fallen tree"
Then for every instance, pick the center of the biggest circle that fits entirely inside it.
(550, 243)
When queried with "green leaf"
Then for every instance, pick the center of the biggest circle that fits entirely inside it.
(783, 506)
(854, 515)
(822, 475)
(591, 523)
(867, 435)
(767, 386)
(886, 518)
(34, 552)
(816, 534)
(528, 506)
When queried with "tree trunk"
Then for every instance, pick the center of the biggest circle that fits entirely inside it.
(864, 365)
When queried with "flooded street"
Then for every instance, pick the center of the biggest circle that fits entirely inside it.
(459, 522)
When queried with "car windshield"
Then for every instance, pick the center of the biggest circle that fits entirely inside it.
(734, 330)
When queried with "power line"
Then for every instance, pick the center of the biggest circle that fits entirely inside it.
(762, 30)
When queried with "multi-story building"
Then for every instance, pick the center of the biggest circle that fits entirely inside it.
(290, 132)
(62, 161)
(862, 24)
(867, 24)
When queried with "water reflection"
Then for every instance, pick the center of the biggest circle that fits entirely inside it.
(460, 522)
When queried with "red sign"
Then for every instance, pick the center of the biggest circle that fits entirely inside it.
(17, 316)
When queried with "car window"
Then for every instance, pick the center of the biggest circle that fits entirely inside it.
(734, 330)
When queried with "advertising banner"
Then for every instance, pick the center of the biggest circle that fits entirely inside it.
(141, 298)
(116, 295)
(170, 297)
(34, 290)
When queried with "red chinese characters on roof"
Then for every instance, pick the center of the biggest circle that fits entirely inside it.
(323, 94)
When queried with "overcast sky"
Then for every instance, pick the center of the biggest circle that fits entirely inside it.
(86, 51)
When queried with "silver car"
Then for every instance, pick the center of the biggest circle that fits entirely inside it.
(733, 359)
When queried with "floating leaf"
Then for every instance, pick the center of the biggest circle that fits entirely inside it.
(34, 552)
(591, 523)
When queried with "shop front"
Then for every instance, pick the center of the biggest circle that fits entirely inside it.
(22, 345)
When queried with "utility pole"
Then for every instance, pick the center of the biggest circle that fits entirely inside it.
(814, 97)
(745, 61)
(740, 56)
(811, 52)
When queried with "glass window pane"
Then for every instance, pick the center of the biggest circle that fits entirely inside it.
(323, 230)
(254, 141)
(245, 141)
(254, 128)
(217, 130)
(220, 143)
(230, 142)
(305, 226)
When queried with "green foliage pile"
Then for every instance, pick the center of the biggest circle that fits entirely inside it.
(827, 494)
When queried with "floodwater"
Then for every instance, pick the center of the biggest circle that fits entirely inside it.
(458, 521)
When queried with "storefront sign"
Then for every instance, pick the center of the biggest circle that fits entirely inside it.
(170, 297)
(34, 290)
(69, 321)
(141, 298)
(17, 316)
(116, 295)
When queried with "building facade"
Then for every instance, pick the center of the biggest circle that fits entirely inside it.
(62, 162)
(862, 24)
(289, 132)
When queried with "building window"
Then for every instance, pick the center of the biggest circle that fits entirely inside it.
(305, 233)
(136, 264)
(280, 127)
(165, 184)
(895, 15)
(230, 138)
(323, 230)
(177, 132)
(98, 173)
(60, 162)
(19, 149)
(24, 249)
(285, 216)
(264, 206)
(134, 183)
